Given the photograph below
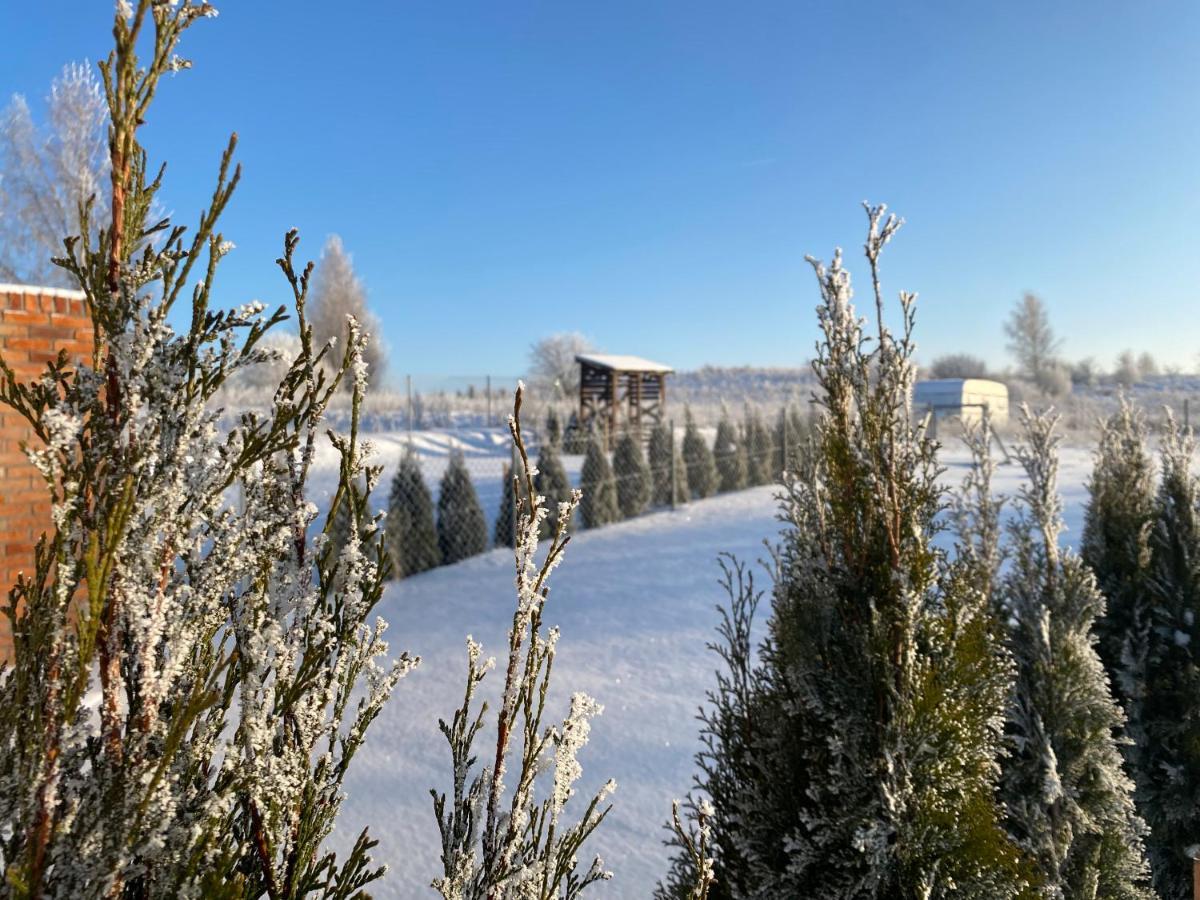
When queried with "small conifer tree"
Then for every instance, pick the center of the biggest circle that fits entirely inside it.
(461, 528)
(698, 458)
(598, 505)
(789, 439)
(575, 437)
(728, 456)
(760, 449)
(553, 484)
(504, 532)
(856, 758)
(661, 454)
(632, 475)
(1116, 534)
(1070, 802)
(410, 528)
(1164, 696)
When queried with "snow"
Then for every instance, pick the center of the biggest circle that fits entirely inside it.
(636, 604)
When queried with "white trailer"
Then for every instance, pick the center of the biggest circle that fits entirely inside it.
(961, 398)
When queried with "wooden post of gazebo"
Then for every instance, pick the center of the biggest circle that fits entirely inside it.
(621, 393)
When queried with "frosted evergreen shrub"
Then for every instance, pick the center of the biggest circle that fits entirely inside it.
(552, 483)
(1070, 802)
(632, 476)
(598, 506)
(698, 459)
(461, 527)
(410, 529)
(194, 668)
(728, 455)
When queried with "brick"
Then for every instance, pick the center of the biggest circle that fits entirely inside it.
(25, 316)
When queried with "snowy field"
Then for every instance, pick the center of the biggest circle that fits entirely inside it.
(636, 605)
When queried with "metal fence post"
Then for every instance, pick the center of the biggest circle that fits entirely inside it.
(671, 462)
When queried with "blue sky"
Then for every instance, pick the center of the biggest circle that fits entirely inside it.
(652, 174)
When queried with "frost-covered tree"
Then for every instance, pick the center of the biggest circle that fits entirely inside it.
(461, 528)
(728, 456)
(176, 720)
(698, 458)
(792, 432)
(411, 532)
(1116, 533)
(1163, 694)
(855, 755)
(553, 371)
(958, 365)
(504, 532)
(1070, 802)
(497, 840)
(632, 475)
(1032, 341)
(598, 505)
(760, 449)
(662, 454)
(52, 174)
(552, 483)
(337, 292)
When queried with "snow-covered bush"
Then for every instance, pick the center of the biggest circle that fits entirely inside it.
(759, 449)
(663, 456)
(551, 482)
(193, 670)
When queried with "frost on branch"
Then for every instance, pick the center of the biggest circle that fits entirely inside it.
(193, 668)
(498, 840)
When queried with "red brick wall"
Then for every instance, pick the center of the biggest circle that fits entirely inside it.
(35, 323)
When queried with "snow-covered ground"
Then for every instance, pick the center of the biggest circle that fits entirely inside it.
(636, 606)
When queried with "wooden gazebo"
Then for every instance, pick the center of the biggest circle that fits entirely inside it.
(620, 393)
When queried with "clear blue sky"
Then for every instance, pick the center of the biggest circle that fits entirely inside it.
(652, 174)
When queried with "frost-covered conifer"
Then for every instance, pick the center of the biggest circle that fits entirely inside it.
(858, 757)
(790, 438)
(498, 841)
(760, 449)
(177, 717)
(410, 528)
(662, 454)
(698, 458)
(1070, 802)
(504, 532)
(461, 528)
(336, 293)
(552, 483)
(1116, 534)
(728, 456)
(1164, 695)
(598, 505)
(632, 475)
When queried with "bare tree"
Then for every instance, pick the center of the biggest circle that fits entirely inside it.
(49, 172)
(1032, 341)
(337, 293)
(958, 365)
(552, 365)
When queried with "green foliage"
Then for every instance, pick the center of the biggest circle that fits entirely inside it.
(504, 532)
(553, 484)
(792, 435)
(575, 437)
(1116, 533)
(698, 459)
(411, 534)
(461, 528)
(728, 456)
(632, 475)
(599, 503)
(1070, 802)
